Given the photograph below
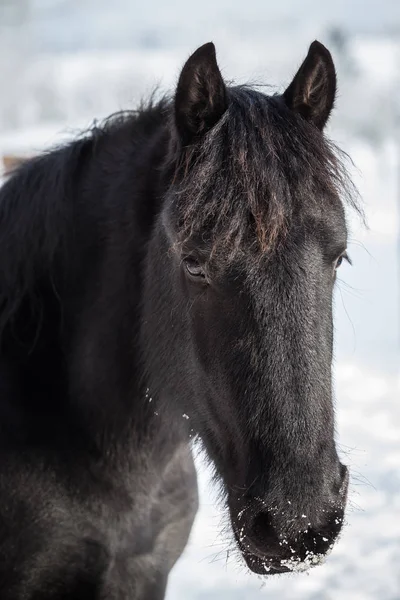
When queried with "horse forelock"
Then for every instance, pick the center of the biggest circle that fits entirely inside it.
(257, 168)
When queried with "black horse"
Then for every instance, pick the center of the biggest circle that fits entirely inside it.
(170, 275)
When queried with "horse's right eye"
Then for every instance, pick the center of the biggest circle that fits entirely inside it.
(194, 268)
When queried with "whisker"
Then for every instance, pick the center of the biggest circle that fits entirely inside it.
(348, 316)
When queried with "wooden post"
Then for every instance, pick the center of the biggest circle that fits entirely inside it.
(12, 161)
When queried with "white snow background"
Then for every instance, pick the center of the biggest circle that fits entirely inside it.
(63, 63)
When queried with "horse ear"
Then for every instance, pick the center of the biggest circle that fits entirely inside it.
(200, 98)
(313, 89)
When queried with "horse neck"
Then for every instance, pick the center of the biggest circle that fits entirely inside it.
(81, 367)
(105, 367)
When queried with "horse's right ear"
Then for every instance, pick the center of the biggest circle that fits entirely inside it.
(200, 99)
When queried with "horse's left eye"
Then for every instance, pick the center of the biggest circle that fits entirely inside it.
(339, 260)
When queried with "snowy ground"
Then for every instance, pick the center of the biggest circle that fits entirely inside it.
(65, 91)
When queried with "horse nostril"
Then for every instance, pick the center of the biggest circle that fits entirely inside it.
(263, 540)
(315, 542)
(262, 534)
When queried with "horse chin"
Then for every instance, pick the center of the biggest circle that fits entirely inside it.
(264, 566)
(259, 564)
(278, 566)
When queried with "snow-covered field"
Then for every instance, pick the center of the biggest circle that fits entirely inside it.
(50, 95)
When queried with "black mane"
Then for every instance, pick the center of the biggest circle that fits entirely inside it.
(37, 202)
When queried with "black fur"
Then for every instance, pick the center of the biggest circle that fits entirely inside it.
(170, 274)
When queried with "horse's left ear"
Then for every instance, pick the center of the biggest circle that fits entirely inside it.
(312, 91)
(200, 99)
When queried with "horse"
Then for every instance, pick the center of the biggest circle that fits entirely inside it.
(168, 276)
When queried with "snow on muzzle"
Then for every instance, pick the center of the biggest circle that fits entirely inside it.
(280, 539)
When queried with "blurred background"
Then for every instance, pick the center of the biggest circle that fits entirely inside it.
(64, 63)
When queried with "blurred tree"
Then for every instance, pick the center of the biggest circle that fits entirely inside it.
(339, 43)
(14, 48)
(13, 12)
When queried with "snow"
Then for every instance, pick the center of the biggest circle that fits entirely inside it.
(67, 90)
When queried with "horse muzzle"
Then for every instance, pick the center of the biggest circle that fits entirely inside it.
(282, 538)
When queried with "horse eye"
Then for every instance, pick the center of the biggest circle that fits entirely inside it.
(194, 268)
(340, 260)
